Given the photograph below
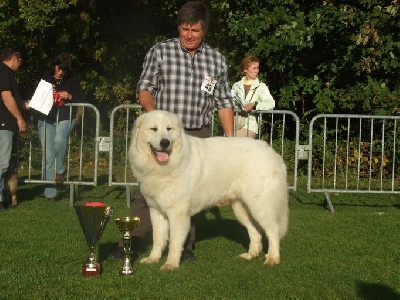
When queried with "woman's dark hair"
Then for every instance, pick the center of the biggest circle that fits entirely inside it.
(64, 62)
(193, 12)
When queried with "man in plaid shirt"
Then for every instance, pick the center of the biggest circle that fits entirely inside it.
(187, 77)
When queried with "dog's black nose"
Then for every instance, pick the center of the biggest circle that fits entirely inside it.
(164, 143)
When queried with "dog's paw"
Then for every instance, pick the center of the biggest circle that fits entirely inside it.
(248, 255)
(149, 260)
(271, 260)
(168, 267)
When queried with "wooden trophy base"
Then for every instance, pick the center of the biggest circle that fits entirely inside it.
(91, 271)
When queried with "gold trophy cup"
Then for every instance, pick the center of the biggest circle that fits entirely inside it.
(125, 225)
(93, 217)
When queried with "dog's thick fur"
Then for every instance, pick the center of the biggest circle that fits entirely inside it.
(11, 185)
(180, 175)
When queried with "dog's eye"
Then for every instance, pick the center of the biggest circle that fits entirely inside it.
(153, 129)
(169, 128)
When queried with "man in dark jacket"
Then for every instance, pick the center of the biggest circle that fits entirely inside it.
(11, 104)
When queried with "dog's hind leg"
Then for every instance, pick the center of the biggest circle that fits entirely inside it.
(255, 236)
(160, 236)
(267, 218)
(273, 218)
(14, 201)
(13, 190)
(273, 256)
(11, 185)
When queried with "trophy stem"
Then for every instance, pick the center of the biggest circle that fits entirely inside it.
(91, 267)
(127, 267)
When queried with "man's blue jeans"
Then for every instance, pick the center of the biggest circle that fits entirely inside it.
(53, 137)
(6, 141)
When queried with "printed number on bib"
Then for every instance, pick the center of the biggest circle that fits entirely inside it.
(208, 84)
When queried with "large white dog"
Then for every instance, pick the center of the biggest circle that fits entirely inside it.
(180, 175)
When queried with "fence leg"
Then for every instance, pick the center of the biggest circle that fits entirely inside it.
(71, 194)
(128, 195)
(328, 200)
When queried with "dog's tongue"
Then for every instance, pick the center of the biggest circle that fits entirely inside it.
(162, 156)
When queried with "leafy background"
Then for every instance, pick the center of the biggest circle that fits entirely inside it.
(316, 56)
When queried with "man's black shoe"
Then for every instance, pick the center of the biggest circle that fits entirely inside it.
(187, 255)
(117, 254)
(2, 206)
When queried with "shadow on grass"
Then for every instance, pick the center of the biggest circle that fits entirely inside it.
(106, 248)
(339, 199)
(102, 190)
(304, 198)
(217, 226)
(29, 192)
(372, 291)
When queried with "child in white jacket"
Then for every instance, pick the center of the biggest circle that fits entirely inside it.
(250, 94)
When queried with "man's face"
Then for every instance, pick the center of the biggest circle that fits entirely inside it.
(191, 36)
(16, 62)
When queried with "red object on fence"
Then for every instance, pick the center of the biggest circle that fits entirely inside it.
(94, 203)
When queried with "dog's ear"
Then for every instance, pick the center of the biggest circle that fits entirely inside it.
(136, 125)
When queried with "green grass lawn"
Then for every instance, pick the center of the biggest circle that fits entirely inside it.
(353, 253)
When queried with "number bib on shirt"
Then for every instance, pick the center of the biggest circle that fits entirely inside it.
(208, 84)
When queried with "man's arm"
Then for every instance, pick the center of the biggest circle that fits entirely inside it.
(226, 117)
(146, 100)
(12, 106)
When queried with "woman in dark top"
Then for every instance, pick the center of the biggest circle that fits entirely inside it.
(55, 128)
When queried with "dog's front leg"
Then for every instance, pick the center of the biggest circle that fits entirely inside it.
(160, 236)
(179, 223)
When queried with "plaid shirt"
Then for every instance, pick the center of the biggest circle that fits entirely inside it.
(174, 78)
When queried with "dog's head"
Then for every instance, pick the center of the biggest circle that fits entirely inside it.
(158, 134)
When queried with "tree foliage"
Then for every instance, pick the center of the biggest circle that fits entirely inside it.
(323, 57)
(316, 56)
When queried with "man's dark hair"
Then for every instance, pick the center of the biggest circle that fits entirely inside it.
(193, 12)
(8, 52)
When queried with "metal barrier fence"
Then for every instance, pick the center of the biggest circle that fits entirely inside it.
(354, 154)
(82, 151)
(345, 153)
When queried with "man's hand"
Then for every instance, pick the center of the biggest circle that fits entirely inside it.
(21, 124)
